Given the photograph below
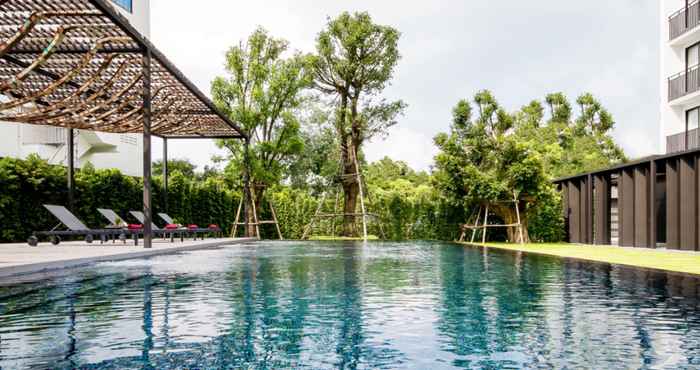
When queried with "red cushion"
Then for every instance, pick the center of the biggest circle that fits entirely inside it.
(213, 226)
(192, 226)
(172, 226)
(135, 226)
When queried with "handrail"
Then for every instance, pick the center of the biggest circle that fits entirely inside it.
(679, 74)
(683, 9)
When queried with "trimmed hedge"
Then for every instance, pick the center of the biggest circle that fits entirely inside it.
(27, 184)
(406, 211)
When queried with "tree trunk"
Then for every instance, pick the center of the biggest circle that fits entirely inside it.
(351, 191)
(258, 192)
(509, 216)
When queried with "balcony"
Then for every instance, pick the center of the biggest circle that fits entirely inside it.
(684, 20)
(682, 141)
(684, 83)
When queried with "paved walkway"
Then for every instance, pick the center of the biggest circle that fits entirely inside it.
(16, 259)
(657, 259)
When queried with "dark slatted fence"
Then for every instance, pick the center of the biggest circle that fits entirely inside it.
(656, 202)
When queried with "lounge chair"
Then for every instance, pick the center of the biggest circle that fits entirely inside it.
(114, 220)
(215, 229)
(158, 231)
(75, 228)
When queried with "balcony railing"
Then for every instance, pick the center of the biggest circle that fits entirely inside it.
(684, 20)
(684, 83)
(682, 141)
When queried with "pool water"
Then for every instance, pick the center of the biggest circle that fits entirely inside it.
(349, 305)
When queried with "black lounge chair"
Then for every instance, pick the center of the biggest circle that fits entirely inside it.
(216, 230)
(76, 228)
(181, 232)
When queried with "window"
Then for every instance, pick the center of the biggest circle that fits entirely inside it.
(125, 4)
(692, 123)
(692, 118)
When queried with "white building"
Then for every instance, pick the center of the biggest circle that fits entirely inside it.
(680, 76)
(103, 150)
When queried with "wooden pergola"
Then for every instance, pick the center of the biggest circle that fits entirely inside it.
(78, 64)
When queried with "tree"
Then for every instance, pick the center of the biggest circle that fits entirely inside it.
(319, 160)
(491, 155)
(571, 145)
(262, 93)
(386, 170)
(355, 61)
(176, 165)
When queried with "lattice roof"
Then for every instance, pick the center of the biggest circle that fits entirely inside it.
(80, 64)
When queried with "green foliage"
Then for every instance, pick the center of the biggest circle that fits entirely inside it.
(24, 186)
(408, 206)
(546, 223)
(183, 166)
(320, 158)
(491, 154)
(355, 61)
(27, 184)
(263, 93)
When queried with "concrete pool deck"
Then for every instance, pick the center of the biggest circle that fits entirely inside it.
(21, 259)
(685, 262)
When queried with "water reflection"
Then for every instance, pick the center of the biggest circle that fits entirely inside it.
(325, 305)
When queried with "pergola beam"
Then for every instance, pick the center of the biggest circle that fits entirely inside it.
(84, 66)
(107, 50)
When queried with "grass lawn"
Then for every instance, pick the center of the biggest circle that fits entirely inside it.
(677, 261)
(341, 238)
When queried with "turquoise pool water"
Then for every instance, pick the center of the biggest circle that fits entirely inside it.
(345, 305)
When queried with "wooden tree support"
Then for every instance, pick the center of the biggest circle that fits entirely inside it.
(364, 214)
(483, 227)
(256, 222)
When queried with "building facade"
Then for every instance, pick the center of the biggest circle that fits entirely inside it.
(103, 150)
(680, 74)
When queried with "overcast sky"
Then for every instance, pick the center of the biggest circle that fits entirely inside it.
(520, 50)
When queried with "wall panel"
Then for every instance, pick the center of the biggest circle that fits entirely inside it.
(574, 212)
(642, 205)
(688, 200)
(602, 209)
(626, 206)
(673, 233)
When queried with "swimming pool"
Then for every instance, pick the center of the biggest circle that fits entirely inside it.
(348, 305)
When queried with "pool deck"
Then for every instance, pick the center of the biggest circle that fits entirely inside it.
(684, 262)
(21, 259)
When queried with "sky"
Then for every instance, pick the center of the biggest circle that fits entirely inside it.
(520, 50)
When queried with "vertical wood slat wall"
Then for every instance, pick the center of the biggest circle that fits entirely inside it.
(587, 203)
(673, 189)
(682, 203)
(687, 206)
(602, 209)
(578, 209)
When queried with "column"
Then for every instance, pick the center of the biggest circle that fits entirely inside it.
(602, 209)
(673, 232)
(147, 230)
(165, 174)
(71, 169)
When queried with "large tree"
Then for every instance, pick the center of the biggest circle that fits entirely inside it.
(491, 155)
(263, 92)
(355, 62)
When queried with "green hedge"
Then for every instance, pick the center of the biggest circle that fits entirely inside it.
(27, 184)
(405, 210)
